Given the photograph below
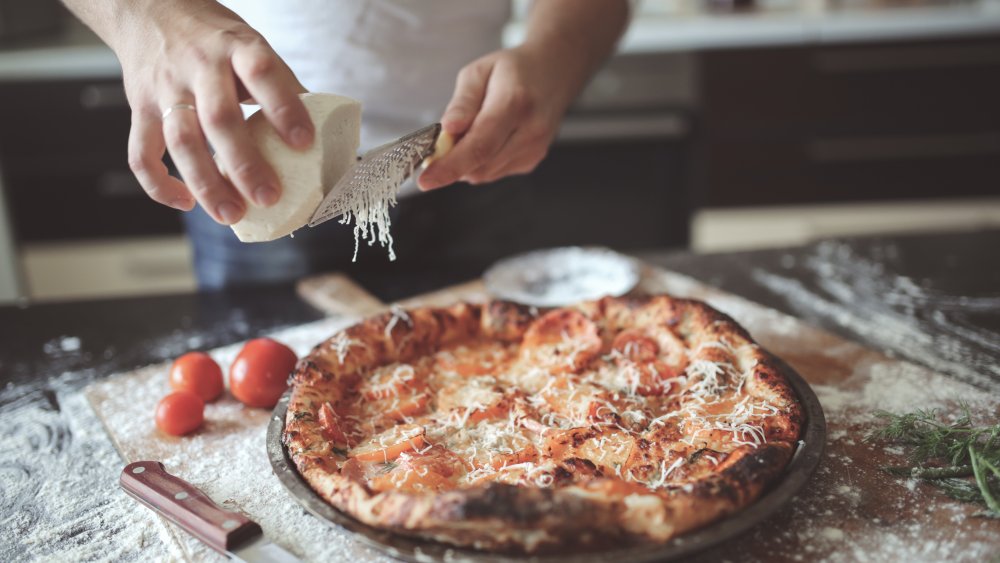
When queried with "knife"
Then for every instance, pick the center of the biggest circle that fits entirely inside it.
(229, 533)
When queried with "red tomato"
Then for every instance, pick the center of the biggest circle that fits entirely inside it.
(197, 372)
(180, 413)
(259, 376)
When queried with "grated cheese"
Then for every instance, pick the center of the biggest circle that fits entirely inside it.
(369, 201)
(708, 374)
(664, 473)
(610, 390)
(342, 344)
(398, 314)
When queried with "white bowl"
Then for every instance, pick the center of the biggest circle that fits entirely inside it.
(562, 276)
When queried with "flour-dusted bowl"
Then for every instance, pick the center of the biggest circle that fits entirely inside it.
(562, 276)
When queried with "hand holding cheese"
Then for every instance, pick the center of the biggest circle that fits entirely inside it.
(307, 175)
(186, 66)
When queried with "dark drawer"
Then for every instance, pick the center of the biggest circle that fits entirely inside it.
(63, 153)
(81, 195)
(900, 87)
(63, 116)
(829, 169)
(848, 123)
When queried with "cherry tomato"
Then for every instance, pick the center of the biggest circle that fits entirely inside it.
(180, 413)
(197, 372)
(259, 376)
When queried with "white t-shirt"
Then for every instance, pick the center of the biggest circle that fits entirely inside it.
(398, 57)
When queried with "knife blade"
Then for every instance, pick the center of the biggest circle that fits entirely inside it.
(391, 163)
(229, 533)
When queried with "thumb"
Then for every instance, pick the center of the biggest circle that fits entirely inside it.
(470, 89)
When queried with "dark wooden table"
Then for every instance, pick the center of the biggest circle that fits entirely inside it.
(942, 291)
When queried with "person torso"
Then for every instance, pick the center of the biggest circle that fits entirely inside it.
(400, 58)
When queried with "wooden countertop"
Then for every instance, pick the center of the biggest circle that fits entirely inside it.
(941, 292)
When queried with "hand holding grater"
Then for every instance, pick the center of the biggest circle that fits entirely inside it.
(364, 188)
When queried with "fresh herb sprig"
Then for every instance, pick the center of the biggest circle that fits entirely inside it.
(959, 457)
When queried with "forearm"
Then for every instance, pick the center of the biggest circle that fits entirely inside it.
(578, 35)
(108, 18)
(118, 21)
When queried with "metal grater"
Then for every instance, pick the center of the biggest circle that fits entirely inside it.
(392, 162)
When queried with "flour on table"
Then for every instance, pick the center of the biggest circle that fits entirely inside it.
(856, 293)
(227, 457)
(839, 516)
(37, 430)
(61, 345)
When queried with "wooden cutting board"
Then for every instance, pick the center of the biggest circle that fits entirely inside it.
(851, 510)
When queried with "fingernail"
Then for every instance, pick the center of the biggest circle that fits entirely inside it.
(266, 195)
(425, 184)
(454, 123)
(229, 212)
(182, 204)
(301, 137)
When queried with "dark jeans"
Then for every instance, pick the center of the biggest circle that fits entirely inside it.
(461, 227)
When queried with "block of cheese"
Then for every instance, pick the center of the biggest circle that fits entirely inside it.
(307, 175)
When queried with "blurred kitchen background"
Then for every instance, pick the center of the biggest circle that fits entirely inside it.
(721, 124)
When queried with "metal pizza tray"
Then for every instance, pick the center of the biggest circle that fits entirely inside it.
(801, 467)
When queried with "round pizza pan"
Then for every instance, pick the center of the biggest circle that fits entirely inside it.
(798, 472)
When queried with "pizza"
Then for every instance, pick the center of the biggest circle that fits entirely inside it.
(503, 427)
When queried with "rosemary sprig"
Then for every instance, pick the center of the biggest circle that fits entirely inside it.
(979, 466)
(931, 472)
(947, 454)
(959, 489)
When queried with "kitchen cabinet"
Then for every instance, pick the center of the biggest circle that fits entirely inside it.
(63, 151)
(860, 122)
(776, 111)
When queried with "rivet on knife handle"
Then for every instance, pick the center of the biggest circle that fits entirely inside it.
(183, 504)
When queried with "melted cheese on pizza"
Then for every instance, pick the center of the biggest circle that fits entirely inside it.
(571, 403)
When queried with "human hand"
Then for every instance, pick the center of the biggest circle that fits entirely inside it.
(187, 53)
(505, 112)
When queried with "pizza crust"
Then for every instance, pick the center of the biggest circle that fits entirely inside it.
(581, 504)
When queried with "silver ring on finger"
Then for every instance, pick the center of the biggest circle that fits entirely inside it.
(175, 107)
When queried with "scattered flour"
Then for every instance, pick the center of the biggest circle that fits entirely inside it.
(61, 345)
(856, 293)
(59, 494)
(227, 458)
(895, 387)
(849, 511)
(832, 534)
(52, 447)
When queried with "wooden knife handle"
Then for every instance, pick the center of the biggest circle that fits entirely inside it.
(183, 504)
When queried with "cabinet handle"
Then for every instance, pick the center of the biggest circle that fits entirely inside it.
(103, 96)
(623, 127)
(897, 58)
(118, 184)
(909, 147)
